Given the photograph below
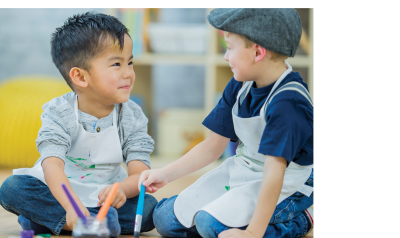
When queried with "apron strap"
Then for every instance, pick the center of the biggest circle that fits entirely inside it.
(276, 84)
(115, 116)
(293, 86)
(245, 88)
(76, 107)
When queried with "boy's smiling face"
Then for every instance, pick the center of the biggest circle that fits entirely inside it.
(240, 58)
(111, 76)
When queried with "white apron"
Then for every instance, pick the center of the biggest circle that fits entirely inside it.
(92, 163)
(230, 192)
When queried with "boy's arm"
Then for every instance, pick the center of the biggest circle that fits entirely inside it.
(53, 169)
(135, 168)
(198, 157)
(271, 186)
(137, 144)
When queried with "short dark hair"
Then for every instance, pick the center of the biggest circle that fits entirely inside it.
(82, 38)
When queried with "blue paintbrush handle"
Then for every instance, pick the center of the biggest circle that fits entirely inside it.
(139, 212)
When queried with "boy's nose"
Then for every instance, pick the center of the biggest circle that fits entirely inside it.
(131, 76)
(128, 73)
(226, 56)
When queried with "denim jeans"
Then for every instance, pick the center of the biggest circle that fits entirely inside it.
(28, 196)
(288, 220)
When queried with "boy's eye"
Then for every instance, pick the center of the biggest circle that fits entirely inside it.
(130, 63)
(116, 64)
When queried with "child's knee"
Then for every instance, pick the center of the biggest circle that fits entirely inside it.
(9, 189)
(205, 224)
(163, 214)
(165, 206)
(150, 203)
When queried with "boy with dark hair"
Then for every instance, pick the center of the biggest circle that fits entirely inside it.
(86, 135)
(266, 189)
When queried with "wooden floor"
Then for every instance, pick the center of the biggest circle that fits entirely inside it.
(10, 227)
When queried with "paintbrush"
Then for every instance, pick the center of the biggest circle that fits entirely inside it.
(76, 207)
(139, 212)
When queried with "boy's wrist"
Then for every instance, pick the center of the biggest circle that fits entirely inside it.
(168, 173)
(125, 186)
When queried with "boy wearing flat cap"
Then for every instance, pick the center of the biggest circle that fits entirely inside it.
(266, 189)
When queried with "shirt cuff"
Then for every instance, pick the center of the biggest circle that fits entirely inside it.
(220, 130)
(145, 158)
(275, 152)
(51, 150)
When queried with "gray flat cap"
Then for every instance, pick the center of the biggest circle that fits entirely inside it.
(276, 29)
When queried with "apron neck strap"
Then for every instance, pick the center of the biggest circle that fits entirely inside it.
(76, 106)
(277, 82)
(114, 117)
(246, 88)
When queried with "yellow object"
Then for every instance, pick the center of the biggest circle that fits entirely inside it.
(21, 101)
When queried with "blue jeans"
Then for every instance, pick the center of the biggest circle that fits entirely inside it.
(288, 220)
(28, 196)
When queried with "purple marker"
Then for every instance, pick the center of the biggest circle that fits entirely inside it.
(76, 207)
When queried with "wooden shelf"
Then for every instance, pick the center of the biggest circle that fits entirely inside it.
(300, 61)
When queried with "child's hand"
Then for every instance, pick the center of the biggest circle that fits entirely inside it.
(71, 217)
(118, 201)
(153, 179)
(231, 233)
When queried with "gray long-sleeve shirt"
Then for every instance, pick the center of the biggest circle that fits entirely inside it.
(58, 126)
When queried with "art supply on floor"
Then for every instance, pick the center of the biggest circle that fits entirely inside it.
(27, 234)
(43, 235)
(85, 231)
(104, 209)
(76, 207)
(139, 212)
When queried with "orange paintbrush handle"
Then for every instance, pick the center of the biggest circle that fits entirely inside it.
(107, 203)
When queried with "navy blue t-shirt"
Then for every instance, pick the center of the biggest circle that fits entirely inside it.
(289, 116)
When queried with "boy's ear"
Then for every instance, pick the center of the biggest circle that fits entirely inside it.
(77, 76)
(260, 52)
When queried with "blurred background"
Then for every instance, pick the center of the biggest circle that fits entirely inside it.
(179, 66)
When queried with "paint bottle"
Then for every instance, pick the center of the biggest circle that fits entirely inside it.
(82, 230)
